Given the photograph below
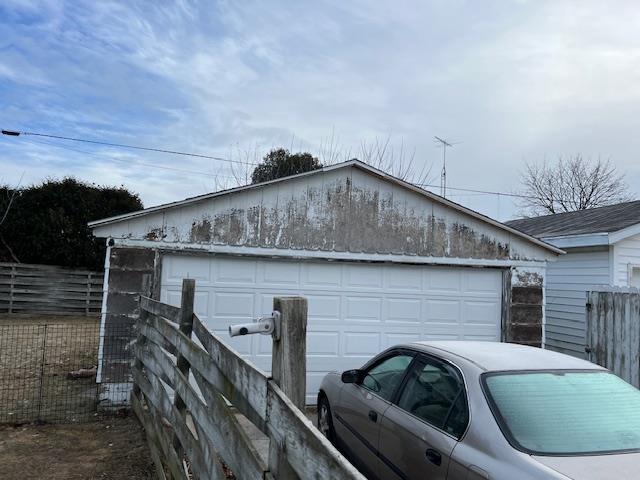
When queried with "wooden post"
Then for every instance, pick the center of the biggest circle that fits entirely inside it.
(12, 287)
(88, 297)
(289, 370)
(186, 327)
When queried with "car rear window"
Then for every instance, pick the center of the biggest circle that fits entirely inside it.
(565, 412)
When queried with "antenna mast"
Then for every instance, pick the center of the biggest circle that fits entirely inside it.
(443, 174)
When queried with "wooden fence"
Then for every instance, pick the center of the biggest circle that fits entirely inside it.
(49, 289)
(205, 378)
(613, 332)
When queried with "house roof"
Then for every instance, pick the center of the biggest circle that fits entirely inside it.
(350, 163)
(609, 219)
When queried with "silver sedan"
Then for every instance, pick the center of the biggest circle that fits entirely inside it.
(478, 410)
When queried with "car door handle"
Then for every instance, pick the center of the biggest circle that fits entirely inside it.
(433, 456)
(373, 416)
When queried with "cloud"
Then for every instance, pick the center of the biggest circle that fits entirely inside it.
(512, 82)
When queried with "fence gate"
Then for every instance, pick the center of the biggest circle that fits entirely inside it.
(613, 332)
(48, 371)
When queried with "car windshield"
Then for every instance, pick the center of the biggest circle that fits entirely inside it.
(565, 412)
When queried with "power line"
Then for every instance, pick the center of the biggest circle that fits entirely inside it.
(486, 192)
(175, 152)
(181, 170)
(17, 133)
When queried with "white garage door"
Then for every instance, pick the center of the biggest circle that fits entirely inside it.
(355, 309)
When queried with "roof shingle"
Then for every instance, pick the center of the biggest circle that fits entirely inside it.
(595, 220)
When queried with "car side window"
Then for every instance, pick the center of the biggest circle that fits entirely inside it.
(434, 392)
(384, 377)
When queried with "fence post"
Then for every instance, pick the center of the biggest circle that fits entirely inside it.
(289, 369)
(186, 327)
(88, 297)
(12, 287)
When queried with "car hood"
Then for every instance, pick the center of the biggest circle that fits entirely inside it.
(592, 467)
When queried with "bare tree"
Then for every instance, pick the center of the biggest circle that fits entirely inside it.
(380, 154)
(570, 184)
(4, 212)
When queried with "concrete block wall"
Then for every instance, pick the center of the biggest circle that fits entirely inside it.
(525, 322)
(130, 273)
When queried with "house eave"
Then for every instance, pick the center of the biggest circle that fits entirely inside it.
(576, 241)
(593, 239)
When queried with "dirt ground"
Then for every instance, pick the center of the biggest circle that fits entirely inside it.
(37, 354)
(112, 449)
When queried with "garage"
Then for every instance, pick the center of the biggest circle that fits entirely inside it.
(380, 261)
(355, 309)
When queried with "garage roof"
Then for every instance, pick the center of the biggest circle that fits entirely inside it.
(348, 164)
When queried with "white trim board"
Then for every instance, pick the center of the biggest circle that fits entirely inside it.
(593, 239)
(322, 255)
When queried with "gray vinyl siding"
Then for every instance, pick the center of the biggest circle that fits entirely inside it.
(567, 282)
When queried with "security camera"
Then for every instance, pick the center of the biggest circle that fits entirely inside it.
(247, 328)
(263, 325)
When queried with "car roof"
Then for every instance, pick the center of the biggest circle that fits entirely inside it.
(496, 356)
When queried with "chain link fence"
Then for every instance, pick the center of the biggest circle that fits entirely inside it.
(48, 370)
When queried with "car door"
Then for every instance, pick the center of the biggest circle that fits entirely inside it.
(363, 404)
(420, 430)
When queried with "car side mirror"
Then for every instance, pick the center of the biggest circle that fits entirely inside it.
(352, 376)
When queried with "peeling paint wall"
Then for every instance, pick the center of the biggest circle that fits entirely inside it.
(345, 210)
(131, 272)
(525, 324)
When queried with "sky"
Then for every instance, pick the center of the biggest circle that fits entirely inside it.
(508, 81)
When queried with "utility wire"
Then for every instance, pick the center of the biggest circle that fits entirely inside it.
(486, 192)
(122, 160)
(175, 152)
(17, 133)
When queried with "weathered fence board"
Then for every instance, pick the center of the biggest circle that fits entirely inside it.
(47, 289)
(160, 309)
(613, 332)
(204, 381)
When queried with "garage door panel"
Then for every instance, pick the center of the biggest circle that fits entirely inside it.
(276, 273)
(324, 308)
(441, 280)
(355, 310)
(321, 275)
(367, 277)
(230, 271)
(172, 297)
(478, 311)
(404, 279)
(360, 344)
(233, 305)
(482, 282)
(363, 309)
(323, 343)
(391, 339)
(175, 268)
(200, 303)
(442, 311)
(403, 310)
(263, 345)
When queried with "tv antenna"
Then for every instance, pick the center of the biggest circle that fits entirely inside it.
(443, 174)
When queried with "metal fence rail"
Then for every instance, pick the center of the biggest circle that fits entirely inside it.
(48, 371)
(28, 288)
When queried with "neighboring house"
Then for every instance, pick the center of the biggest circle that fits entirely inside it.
(603, 248)
(380, 261)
